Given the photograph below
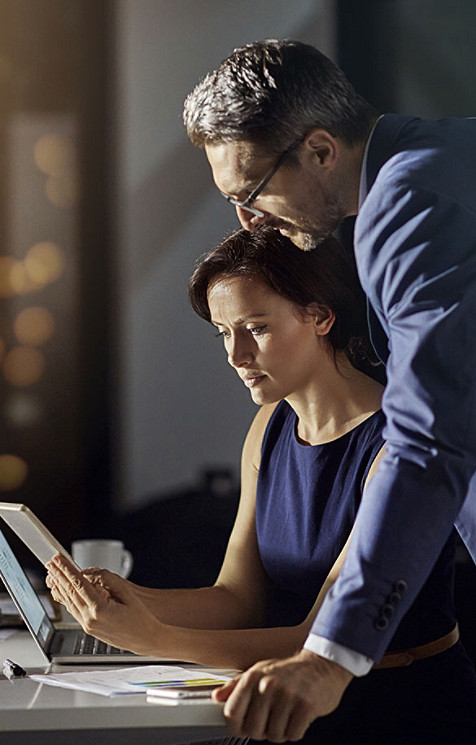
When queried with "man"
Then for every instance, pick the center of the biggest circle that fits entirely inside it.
(293, 146)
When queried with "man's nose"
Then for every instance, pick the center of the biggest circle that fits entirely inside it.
(249, 221)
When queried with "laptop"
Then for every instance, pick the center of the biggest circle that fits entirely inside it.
(60, 646)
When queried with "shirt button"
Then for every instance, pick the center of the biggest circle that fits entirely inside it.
(381, 623)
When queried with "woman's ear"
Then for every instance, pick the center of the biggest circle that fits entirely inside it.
(323, 318)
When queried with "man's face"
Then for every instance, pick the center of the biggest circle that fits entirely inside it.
(301, 201)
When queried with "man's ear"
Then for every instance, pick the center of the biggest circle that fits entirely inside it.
(319, 143)
(322, 317)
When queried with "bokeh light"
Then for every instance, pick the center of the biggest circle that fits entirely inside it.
(23, 366)
(34, 326)
(23, 410)
(54, 154)
(44, 262)
(13, 472)
(7, 265)
(22, 283)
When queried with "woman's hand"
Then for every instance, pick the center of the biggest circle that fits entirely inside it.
(105, 605)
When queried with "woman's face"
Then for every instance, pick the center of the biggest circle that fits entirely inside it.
(272, 344)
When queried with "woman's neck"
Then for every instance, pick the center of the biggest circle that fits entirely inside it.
(338, 400)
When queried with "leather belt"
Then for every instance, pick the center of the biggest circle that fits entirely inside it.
(407, 656)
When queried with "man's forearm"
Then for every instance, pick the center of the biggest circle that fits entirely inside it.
(404, 520)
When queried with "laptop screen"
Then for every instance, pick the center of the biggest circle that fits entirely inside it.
(23, 594)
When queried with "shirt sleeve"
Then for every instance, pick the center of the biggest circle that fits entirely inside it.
(416, 252)
(357, 664)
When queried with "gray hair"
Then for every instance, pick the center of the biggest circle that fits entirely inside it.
(271, 92)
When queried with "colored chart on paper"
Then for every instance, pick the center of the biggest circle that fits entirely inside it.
(192, 683)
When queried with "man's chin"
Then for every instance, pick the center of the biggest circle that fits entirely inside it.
(305, 241)
(294, 235)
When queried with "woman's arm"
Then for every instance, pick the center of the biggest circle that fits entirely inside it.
(238, 597)
(247, 647)
(239, 594)
(233, 648)
(242, 648)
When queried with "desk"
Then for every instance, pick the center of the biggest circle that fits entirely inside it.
(32, 713)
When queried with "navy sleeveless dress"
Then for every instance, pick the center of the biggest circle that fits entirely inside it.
(307, 500)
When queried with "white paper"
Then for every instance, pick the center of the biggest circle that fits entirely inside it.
(124, 681)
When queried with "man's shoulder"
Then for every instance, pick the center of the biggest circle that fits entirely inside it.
(408, 156)
(419, 151)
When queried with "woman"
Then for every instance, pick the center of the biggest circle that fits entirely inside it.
(292, 324)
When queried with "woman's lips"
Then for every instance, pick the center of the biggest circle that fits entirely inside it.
(250, 382)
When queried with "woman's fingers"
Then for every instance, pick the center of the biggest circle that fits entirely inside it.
(71, 588)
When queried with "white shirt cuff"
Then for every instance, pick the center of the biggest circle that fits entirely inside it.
(355, 662)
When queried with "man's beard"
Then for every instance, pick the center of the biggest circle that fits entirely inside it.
(308, 241)
(308, 234)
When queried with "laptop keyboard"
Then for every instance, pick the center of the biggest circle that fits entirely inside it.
(87, 644)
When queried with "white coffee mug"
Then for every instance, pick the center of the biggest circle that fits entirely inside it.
(102, 553)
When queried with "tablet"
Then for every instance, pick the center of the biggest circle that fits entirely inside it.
(32, 532)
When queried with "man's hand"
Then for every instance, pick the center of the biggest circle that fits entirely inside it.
(278, 699)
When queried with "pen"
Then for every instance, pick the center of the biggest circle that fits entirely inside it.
(12, 669)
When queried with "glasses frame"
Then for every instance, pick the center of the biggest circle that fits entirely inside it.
(246, 204)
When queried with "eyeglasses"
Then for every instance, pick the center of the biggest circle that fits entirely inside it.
(247, 203)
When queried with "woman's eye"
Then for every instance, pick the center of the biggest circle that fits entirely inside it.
(257, 330)
(223, 334)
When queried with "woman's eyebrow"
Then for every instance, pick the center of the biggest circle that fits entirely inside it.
(239, 321)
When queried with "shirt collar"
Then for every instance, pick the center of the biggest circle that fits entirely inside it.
(363, 172)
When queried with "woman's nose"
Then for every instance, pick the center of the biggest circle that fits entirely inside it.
(239, 353)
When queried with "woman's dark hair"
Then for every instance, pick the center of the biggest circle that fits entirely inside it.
(326, 275)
